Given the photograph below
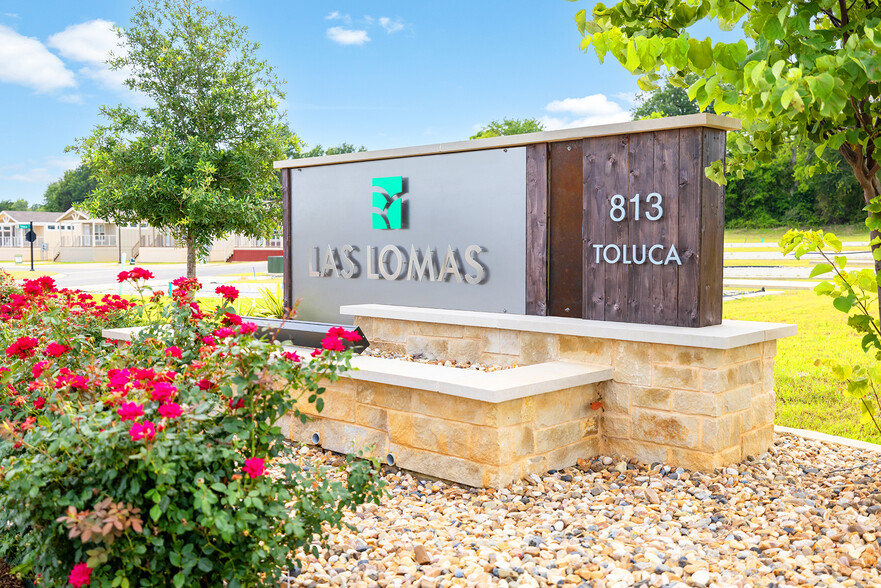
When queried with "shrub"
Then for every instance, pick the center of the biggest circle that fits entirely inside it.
(153, 463)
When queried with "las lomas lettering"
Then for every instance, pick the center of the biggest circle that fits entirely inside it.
(395, 262)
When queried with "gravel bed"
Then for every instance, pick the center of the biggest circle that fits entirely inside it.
(796, 516)
(465, 365)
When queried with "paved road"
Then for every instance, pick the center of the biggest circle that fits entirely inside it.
(101, 277)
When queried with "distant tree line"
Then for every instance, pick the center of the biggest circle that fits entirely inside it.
(778, 192)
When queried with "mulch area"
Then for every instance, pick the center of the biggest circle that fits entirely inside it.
(7, 581)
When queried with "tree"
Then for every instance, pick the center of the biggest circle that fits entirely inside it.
(318, 150)
(667, 100)
(20, 204)
(811, 71)
(198, 162)
(509, 126)
(72, 188)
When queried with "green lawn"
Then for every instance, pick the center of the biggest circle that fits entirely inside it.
(808, 397)
(857, 232)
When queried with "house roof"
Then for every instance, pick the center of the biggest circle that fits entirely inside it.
(35, 216)
(74, 214)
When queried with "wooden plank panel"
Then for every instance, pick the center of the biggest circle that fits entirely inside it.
(665, 282)
(615, 181)
(595, 153)
(712, 232)
(286, 220)
(691, 172)
(565, 214)
(641, 167)
(537, 229)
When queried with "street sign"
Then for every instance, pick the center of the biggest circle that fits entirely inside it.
(30, 236)
(24, 226)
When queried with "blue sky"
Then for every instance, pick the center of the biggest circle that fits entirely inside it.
(378, 74)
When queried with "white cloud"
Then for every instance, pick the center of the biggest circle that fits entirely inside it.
(626, 97)
(26, 61)
(391, 26)
(92, 43)
(71, 98)
(588, 111)
(51, 169)
(335, 15)
(347, 36)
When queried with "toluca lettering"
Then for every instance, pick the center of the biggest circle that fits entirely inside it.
(394, 262)
(635, 254)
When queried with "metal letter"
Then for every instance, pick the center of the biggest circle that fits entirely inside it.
(672, 254)
(418, 269)
(314, 273)
(640, 261)
(383, 262)
(450, 266)
(353, 269)
(606, 251)
(371, 264)
(331, 262)
(598, 248)
(471, 253)
(652, 257)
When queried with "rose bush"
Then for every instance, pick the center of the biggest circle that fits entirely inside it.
(151, 463)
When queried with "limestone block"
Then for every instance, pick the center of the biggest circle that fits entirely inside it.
(770, 349)
(383, 396)
(436, 330)
(339, 402)
(440, 436)
(537, 348)
(516, 442)
(736, 400)
(430, 347)
(464, 350)
(720, 433)
(452, 408)
(768, 373)
(689, 356)
(367, 326)
(509, 342)
(745, 353)
(616, 397)
(591, 425)
(512, 412)
(486, 446)
(489, 338)
(682, 378)
(631, 362)
(665, 428)
(551, 438)
(651, 397)
(284, 423)
(644, 452)
(499, 477)
(747, 423)
(688, 402)
(757, 442)
(389, 347)
(371, 416)
(392, 331)
(718, 380)
(586, 349)
(762, 410)
(564, 405)
(695, 460)
(568, 456)
(302, 432)
(436, 465)
(616, 426)
(347, 438)
(400, 427)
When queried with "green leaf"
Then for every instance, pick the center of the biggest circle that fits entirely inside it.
(844, 303)
(824, 288)
(155, 512)
(820, 268)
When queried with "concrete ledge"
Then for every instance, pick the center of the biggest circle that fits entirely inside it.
(492, 387)
(728, 335)
(825, 438)
(123, 334)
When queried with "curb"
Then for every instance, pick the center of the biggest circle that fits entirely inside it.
(815, 436)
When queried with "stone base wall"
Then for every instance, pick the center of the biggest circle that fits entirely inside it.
(687, 406)
(467, 441)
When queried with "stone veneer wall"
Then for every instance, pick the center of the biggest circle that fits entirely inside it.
(688, 406)
(468, 441)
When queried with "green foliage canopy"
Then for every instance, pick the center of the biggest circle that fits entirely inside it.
(72, 188)
(20, 204)
(198, 161)
(509, 126)
(809, 70)
(667, 100)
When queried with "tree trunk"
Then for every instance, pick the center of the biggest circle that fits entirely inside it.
(191, 255)
(866, 172)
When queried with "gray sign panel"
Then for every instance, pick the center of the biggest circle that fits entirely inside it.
(461, 244)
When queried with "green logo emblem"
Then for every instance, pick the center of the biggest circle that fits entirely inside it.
(388, 198)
